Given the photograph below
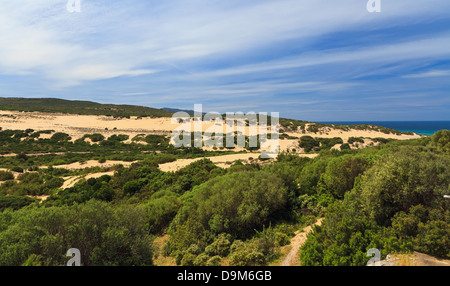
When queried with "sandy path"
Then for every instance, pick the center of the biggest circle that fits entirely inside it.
(299, 239)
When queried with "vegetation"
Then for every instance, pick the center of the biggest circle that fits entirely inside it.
(309, 144)
(388, 197)
(54, 105)
(295, 125)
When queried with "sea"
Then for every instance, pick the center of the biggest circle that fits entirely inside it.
(419, 127)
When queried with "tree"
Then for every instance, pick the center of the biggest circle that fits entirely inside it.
(341, 172)
(222, 204)
(308, 143)
(397, 182)
(60, 137)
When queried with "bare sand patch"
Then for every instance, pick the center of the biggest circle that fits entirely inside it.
(223, 161)
(92, 163)
(220, 161)
(328, 132)
(72, 180)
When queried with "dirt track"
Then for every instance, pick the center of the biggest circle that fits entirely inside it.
(297, 241)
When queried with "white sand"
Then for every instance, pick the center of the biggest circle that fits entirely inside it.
(224, 161)
(72, 180)
(92, 163)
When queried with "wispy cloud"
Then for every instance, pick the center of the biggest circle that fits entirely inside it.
(224, 52)
(432, 73)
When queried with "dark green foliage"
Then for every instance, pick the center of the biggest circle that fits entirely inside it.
(96, 137)
(400, 181)
(104, 235)
(352, 140)
(17, 169)
(388, 197)
(327, 143)
(60, 137)
(222, 205)
(341, 172)
(308, 143)
(118, 138)
(397, 205)
(5, 175)
(246, 254)
(433, 238)
(14, 202)
(84, 191)
(54, 105)
(345, 146)
(441, 139)
(131, 187)
(220, 246)
(161, 211)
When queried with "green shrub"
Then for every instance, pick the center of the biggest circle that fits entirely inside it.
(131, 188)
(345, 146)
(14, 202)
(17, 169)
(214, 261)
(308, 143)
(5, 175)
(60, 137)
(222, 205)
(220, 246)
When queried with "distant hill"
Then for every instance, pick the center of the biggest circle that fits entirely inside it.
(175, 110)
(54, 105)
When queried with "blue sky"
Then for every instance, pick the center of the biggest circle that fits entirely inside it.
(315, 60)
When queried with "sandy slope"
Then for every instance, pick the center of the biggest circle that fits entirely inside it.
(78, 125)
(92, 163)
(331, 133)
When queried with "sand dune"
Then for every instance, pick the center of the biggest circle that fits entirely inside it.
(92, 163)
(224, 161)
(78, 125)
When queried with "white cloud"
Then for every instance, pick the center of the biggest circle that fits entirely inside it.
(432, 73)
(131, 38)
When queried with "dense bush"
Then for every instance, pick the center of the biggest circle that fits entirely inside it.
(14, 202)
(104, 235)
(441, 139)
(308, 143)
(402, 180)
(222, 205)
(397, 205)
(5, 175)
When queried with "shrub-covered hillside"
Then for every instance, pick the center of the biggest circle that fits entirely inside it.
(388, 197)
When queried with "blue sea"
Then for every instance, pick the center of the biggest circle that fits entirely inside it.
(419, 127)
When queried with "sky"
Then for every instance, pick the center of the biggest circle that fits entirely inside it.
(315, 60)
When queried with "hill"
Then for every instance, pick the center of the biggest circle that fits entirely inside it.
(54, 105)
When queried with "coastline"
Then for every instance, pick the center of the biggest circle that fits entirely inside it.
(427, 128)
